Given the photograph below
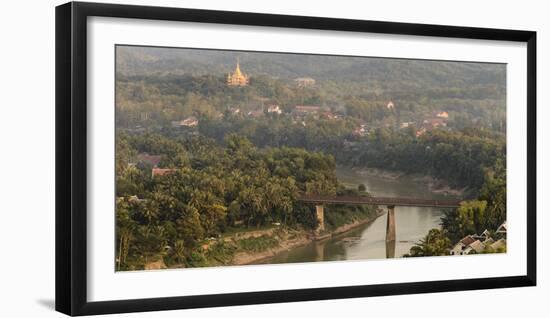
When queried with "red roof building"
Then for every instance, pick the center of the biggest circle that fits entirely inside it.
(442, 115)
(153, 160)
(467, 240)
(162, 171)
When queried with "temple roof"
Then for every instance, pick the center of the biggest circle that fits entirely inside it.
(237, 78)
(238, 70)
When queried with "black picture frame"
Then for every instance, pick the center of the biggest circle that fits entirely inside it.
(71, 157)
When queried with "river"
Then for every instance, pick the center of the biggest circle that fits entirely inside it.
(368, 241)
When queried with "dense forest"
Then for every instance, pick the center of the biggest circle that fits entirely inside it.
(413, 75)
(486, 212)
(173, 83)
(460, 156)
(211, 190)
(238, 166)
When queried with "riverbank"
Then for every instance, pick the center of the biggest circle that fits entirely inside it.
(258, 245)
(434, 185)
(275, 243)
(301, 238)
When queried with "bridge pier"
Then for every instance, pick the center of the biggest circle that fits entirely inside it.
(320, 252)
(390, 249)
(320, 213)
(390, 224)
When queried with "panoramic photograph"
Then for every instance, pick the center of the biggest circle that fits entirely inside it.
(227, 158)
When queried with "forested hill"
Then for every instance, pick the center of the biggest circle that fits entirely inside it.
(394, 74)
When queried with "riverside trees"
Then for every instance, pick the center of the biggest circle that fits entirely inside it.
(246, 170)
(486, 212)
(459, 157)
(214, 188)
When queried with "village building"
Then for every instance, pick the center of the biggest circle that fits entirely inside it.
(475, 247)
(390, 105)
(430, 124)
(136, 129)
(304, 81)
(329, 115)
(153, 160)
(191, 121)
(483, 236)
(442, 115)
(488, 241)
(274, 109)
(420, 132)
(467, 240)
(237, 78)
(234, 110)
(459, 247)
(361, 131)
(406, 124)
(135, 199)
(161, 171)
(475, 244)
(502, 228)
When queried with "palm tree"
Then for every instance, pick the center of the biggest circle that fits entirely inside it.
(179, 251)
(434, 244)
(125, 235)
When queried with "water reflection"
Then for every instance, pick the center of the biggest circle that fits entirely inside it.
(369, 241)
(390, 249)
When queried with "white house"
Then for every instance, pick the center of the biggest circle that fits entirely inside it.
(502, 228)
(457, 249)
(191, 121)
(274, 109)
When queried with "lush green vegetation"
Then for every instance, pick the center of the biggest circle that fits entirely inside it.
(460, 157)
(171, 84)
(436, 243)
(211, 188)
(238, 170)
(358, 75)
(459, 153)
(156, 86)
(258, 244)
(486, 212)
(339, 215)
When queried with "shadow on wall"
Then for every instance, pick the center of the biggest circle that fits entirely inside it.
(48, 303)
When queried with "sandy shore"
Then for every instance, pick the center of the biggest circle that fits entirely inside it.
(434, 185)
(243, 258)
(302, 239)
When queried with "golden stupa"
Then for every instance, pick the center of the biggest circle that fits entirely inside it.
(237, 78)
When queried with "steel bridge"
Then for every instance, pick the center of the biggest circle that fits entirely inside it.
(391, 203)
(367, 200)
